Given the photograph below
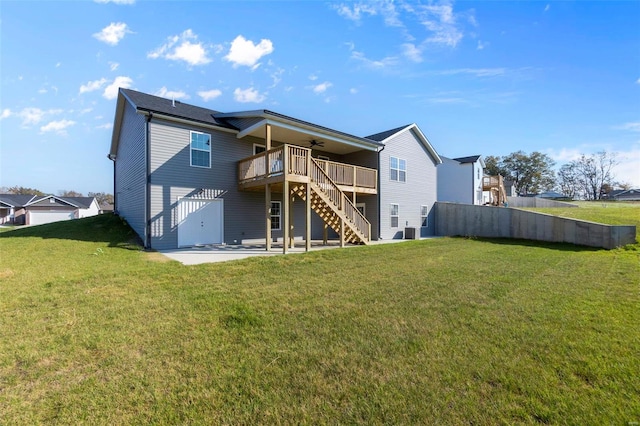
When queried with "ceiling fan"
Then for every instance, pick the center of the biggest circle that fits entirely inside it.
(313, 143)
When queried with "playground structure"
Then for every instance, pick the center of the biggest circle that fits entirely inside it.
(495, 186)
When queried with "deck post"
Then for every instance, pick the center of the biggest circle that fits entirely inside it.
(267, 187)
(267, 205)
(291, 221)
(325, 234)
(286, 218)
(307, 209)
(341, 232)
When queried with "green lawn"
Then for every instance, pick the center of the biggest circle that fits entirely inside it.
(95, 331)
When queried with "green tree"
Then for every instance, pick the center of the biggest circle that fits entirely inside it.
(69, 193)
(21, 190)
(532, 173)
(102, 197)
(568, 181)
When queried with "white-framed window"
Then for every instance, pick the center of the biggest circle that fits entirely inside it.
(394, 215)
(424, 215)
(257, 148)
(398, 169)
(323, 157)
(275, 215)
(200, 149)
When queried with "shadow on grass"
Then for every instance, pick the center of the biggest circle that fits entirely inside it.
(534, 243)
(106, 228)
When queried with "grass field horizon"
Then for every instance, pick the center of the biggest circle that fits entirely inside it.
(95, 330)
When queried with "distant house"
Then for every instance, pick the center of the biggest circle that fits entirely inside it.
(552, 195)
(460, 180)
(510, 188)
(38, 210)
(625, 195)
(12, 209)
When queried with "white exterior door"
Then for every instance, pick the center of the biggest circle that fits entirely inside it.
(200, 222)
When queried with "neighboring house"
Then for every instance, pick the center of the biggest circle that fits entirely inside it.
(12, 209)
(51, 208)
(552, 195)
(186, 175)
(460, 180)
(408, 182)
(625, 195)
(38, 210)
(510, 188)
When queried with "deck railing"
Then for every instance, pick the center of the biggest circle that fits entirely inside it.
(339, 198)
(270, 163)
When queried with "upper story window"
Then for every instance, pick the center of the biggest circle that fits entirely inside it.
(257, 148)
(200, 149)
(398, 169)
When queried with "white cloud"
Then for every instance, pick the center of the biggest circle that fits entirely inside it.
(547, 7)
(313, 77)
(113, 66)
(478, 72)
(248, 95)
(353, 90)
(355, 11)
(111, 91)
(482, 45)
(113, 33)
(105, 126)
(58, 64)
(634, 127)
(42, 91)
(245, 52)
(412, 52)
(378, 64)
(93, 85)
(322, 87)
(441, 22)
(183, 47)
(172, 94)
(638, 81)
(57, 126)
(32, 115)
(6, 113)
(116, 1)
(208, 95)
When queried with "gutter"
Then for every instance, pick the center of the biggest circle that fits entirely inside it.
(379, 194)
(147, 192)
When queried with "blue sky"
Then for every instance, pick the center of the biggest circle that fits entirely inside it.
(489, 78)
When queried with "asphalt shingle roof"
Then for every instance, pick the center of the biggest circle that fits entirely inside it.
(146, 102)
(379, 137)
(16, 200)
(470, 159)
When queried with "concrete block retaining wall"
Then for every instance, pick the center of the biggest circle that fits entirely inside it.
(536, 202)
(500, 222)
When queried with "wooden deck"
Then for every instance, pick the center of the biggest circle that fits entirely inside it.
(269, 168)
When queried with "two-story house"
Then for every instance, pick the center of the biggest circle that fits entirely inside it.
(186, 175)
(460, 180)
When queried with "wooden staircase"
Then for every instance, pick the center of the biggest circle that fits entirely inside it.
(333, 206)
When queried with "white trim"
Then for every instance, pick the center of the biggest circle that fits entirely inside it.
(424, 217)
(279, 216)
(422, 138)
(258, 145)
(323, 157)
(191, 149)
(391, 215)
(307, 130)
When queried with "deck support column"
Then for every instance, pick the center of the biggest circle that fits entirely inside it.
(291, 221)
(325, 234)
(267, 187)
(267, 205)
(341, 233)
(307, 221)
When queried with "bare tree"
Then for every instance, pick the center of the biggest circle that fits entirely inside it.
(595, 171)
(568, 181)
(69, 193)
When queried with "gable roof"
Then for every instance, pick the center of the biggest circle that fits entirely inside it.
(16, 200)
(379, 137)
(78, 202)
(384, 137)
(470, 159)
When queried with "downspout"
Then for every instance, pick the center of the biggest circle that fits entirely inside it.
(379, 194)
(115, 194)
(147, 202)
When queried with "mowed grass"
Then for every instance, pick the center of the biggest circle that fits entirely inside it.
(611, 213)
(95, 331)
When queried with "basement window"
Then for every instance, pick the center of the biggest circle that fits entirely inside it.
(275, 215)
(394, 215)
(200, 149)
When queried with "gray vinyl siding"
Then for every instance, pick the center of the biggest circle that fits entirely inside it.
(419, 189)
(172, 178)
(455, 182)
(130, 170)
